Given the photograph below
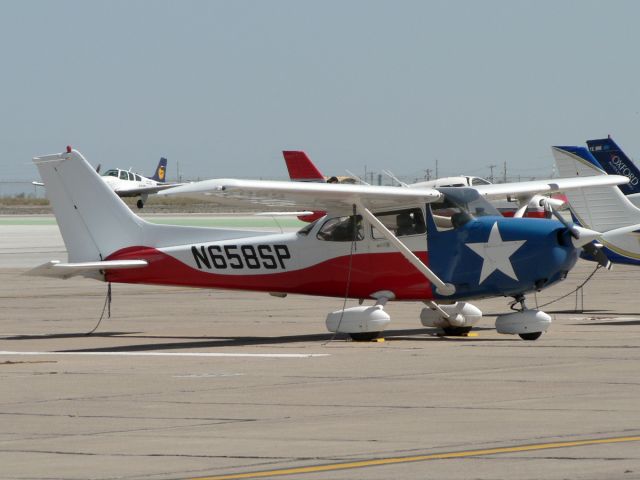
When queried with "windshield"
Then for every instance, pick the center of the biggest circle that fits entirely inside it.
(307, 228)
(458, 206)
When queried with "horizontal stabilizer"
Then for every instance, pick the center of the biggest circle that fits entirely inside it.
(57, 269)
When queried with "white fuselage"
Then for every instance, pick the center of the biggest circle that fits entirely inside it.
(121, 181)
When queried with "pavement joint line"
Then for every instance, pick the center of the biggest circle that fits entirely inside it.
(175, 354)
(376, 462)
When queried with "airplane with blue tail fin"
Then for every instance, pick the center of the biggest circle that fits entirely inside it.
(130, 184)
(604, 208)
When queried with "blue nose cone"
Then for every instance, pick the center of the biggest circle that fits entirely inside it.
(493, 256)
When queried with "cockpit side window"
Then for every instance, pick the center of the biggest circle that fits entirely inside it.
(401, 223)
(341, 229)
(123, 175)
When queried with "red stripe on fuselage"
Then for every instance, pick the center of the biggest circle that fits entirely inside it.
(369, 273)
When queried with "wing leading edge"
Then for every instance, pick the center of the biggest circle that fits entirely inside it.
(316, 196)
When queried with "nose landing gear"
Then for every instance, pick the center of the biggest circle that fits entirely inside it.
(527, 323)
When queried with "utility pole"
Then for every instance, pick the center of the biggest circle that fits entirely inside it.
(504, 178)
(427, 174)
(491, 178)
(437, 176)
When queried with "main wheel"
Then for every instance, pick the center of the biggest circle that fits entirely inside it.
(530, 336)
(364, 336)
(456, 331)
(140, 204)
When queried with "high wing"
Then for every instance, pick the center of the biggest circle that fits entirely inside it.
(316, 196)
(524, 189)
(134, 192)
(322, 196)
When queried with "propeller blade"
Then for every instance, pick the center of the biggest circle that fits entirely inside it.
(585, 236)
(98, 168)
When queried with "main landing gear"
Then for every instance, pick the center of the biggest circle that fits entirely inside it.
(456, 319)
(142, 200)
(362, 323)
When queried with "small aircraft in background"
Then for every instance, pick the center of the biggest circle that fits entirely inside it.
(611, 209)
(302, 169)
(130, 184)
(441, 246)
(126, 183)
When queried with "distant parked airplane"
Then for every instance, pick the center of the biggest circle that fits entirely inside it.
(130, 184)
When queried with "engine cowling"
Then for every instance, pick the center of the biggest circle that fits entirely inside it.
(461, 314)
(360, 319)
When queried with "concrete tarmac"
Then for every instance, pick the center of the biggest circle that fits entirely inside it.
(188, 383)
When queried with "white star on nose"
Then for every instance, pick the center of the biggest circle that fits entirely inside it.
(495, 254)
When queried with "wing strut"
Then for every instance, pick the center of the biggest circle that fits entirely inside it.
(441, 287)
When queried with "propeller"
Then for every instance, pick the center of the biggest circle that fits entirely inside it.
(98, 168)
(582, 237)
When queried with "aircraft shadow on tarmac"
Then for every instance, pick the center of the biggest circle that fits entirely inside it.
(623, 323)
(420, 334)
(66, 335)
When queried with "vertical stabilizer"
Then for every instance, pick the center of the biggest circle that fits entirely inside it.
(93, 221)
(160, 175)
(301, 168)
(615, 162)
(598, 208)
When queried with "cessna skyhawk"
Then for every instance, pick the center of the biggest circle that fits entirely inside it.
(441, 246)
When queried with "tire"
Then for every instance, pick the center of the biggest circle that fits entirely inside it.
(364, 336)
(530, 336)
(140, 204)
(456, 331)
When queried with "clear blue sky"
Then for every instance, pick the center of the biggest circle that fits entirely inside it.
(223, 87)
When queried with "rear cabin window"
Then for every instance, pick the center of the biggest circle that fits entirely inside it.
(479, 181)
(138, 178)
(401, 223)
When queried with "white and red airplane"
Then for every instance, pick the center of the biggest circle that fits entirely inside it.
(441, 246)
(130, 184)
(302, 169)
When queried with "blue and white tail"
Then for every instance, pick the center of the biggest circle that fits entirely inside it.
(160, 175)
(615, 162)
(599, 208)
